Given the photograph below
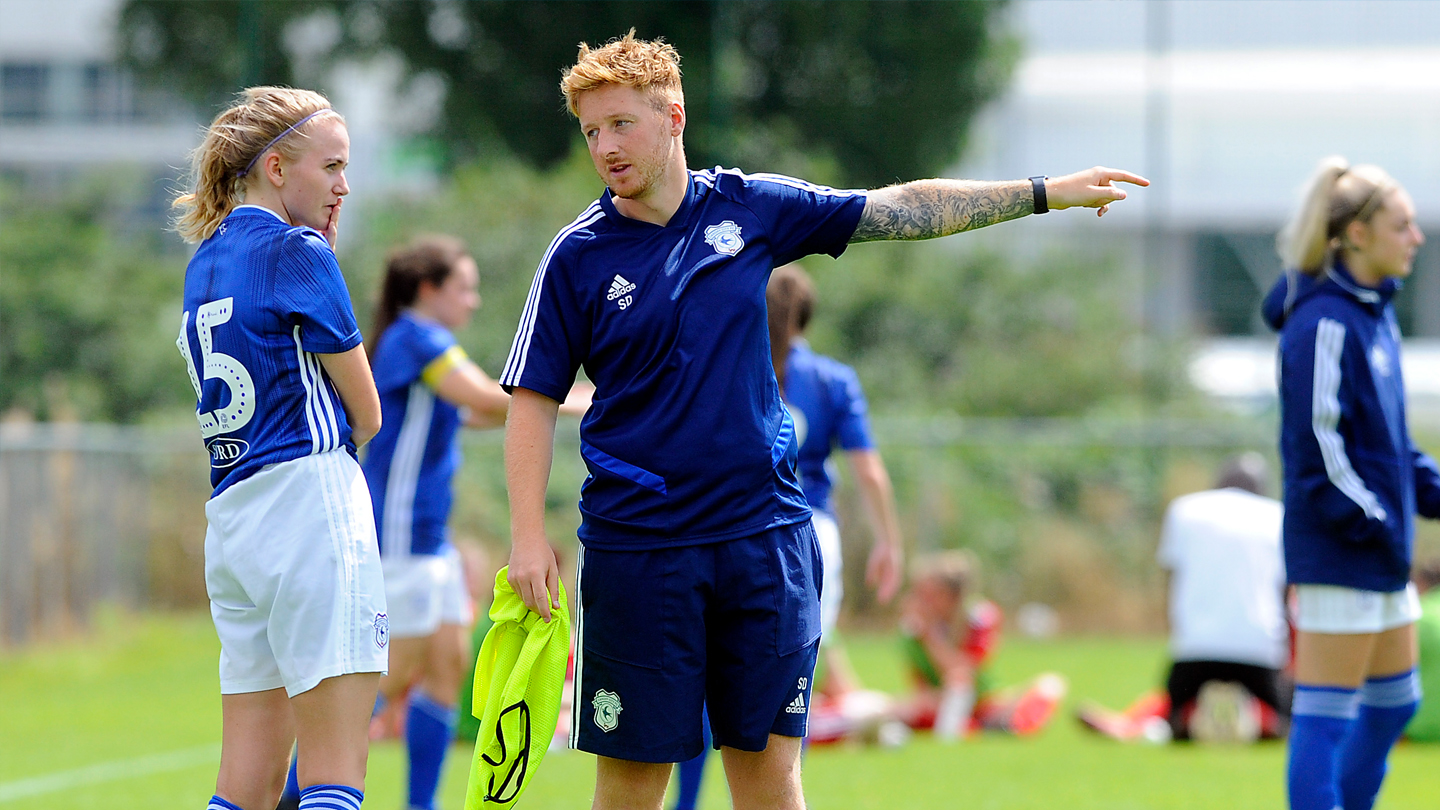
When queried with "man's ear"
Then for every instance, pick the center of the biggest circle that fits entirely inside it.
(676, 112)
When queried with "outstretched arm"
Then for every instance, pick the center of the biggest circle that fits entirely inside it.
(469, 387)
(925, 209)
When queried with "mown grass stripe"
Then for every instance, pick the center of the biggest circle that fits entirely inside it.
(112, 771)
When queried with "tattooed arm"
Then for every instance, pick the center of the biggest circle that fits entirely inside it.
(926, 209)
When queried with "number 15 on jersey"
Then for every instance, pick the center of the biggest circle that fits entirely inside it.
(217, 366)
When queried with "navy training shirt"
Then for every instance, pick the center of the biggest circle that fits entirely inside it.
(262, 299)
(687, 440)
(829, 407)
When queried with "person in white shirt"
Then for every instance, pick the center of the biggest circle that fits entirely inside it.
(1221, 551)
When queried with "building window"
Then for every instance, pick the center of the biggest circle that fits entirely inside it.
(109, 97)
(24, 91)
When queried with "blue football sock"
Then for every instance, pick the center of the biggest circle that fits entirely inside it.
(292, 779)
(692, 771)
(217, 803)
(330, 797)
(429, 727)
(1386, 705)
(1320, 719)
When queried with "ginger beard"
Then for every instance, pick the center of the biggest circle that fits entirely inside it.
(632, 143)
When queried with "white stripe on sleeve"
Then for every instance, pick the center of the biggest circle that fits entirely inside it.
(327, 407)
(310, 411)
(1325, 418)
(793, 182)
(520, 350)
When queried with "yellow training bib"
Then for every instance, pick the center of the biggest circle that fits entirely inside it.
(519, 678)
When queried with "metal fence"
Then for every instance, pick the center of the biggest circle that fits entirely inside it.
(94, 514)
(97, 514)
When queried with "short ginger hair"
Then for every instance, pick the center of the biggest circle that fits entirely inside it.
(650, 66)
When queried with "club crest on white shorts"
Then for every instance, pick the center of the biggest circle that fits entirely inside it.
(382, 630)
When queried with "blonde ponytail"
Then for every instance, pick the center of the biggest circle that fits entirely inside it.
(1336, 195)
(237, 138)
(1303, 242)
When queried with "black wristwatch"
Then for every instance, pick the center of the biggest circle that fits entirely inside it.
(1037, 184)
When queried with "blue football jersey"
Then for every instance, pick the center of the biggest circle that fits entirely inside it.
(410, 462)
(687, 440)
(262, 299)
(829, 407)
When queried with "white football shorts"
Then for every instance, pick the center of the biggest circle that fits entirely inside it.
(425, 591)
(293, 573)
(827, 532)
(1335, 609)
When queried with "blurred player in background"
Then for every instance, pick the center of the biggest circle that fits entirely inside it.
(950, 633)
(428, 388)
(1353, 481)
(1221, 548)
(284, 398)
(825, 399)
(699, 575)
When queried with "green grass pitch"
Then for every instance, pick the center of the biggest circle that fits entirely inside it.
(130, 718)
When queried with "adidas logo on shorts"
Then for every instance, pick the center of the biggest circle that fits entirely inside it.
(797, 706)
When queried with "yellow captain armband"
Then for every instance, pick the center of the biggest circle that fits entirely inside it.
(436, 369)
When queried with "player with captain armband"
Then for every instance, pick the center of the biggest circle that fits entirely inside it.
(284, 398)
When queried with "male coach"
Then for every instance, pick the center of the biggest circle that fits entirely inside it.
(699, 574)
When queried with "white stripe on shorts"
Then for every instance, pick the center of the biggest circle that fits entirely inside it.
(576, 699)
(342, 541)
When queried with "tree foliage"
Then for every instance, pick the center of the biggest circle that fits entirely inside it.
(885, 89)
(945, 326)
(89, 317)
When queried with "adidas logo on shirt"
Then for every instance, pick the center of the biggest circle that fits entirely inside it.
(621, 289)
(797, 706)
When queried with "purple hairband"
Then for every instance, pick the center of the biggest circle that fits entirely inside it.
(277, 138)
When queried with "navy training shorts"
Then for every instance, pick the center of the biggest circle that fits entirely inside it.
(665, 633)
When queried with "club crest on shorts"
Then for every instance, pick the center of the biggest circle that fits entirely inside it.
(382, 630)
(725, 238)
(607, 710)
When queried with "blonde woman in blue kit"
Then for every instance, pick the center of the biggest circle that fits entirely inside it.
(284, 397)
(428, 389)
(1354, 481)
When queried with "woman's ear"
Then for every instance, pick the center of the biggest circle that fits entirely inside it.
(425, 288)
(1357, 235)
(271, 167)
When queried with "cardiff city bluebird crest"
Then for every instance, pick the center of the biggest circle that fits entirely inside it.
(382, 630)
(725, 238)
(607, 710)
